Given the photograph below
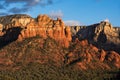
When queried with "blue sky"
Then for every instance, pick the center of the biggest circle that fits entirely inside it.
(83, 12)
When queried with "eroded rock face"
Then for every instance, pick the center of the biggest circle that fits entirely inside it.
(42, 26)
(102, 55)
(114, 58)
(109, 34)
(20, 20)
(11, 22)
(1, 27)
(102, 34)
(85, 55)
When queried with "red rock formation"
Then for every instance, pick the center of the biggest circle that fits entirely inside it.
(84, 42)
(114, 58)
(44, 27)
(68, 33)
(102, 55)
(84, 54)
(95, 49)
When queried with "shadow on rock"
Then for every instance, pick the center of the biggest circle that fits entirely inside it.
(10, 36)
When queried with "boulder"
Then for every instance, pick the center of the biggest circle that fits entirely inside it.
(114, 58)
(102, 55)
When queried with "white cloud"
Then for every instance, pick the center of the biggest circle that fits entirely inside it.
(72, 23)
(56, 14)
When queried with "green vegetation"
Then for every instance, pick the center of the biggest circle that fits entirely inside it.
(41, 59)
(35, 71)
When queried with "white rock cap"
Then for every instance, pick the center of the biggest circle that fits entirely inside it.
(106, 20)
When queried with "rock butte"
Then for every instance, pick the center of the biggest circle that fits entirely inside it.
(25, 27)
(102, 34)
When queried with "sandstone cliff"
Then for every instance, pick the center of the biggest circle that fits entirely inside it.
(19, 27)
(102, 34)
(15, 20)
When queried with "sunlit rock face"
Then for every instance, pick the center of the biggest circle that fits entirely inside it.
(12, 21)
(1, 27)
(15, 20)
(103, 34)
(109, 33)
(28, 27)
(46, 27)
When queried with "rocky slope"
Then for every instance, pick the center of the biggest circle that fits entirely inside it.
(37, 58)
(80, 54)
(102, 34)
(41, 58)
(86, 55)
